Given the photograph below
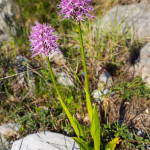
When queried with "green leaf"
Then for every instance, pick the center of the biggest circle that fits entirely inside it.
(80, 128)
(69, 100)
(82, 143)
(76, 76)
(76, 126)
(112, 144)
(95, 129)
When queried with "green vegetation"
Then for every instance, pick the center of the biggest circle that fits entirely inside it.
(43, 111)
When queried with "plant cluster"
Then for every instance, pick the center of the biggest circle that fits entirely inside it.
(43, 41)
(42, 111)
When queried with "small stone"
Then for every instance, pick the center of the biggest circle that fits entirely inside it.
(65, 79)
(98, 95)
(57, 57)
(140, 132)
(45, 141)
(9, 129)
(147, 111)
(25, 79)
(105, 79)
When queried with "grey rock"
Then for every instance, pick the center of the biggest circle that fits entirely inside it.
(145, 64)
(142, 66)
(25, 78)
(135, 17)
(145, 55)
(8, 130)
(45, 141)
(7, 20)
(65, 79)
(104, 82)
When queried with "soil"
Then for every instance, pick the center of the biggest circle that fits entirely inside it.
(134, 113)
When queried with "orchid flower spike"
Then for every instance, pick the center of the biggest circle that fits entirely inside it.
(42, 39)
(75, 9)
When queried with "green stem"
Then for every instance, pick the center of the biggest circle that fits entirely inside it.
(88, 99)
(61, 101)
(53, 79)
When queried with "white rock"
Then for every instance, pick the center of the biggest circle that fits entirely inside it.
(45, 141)
(65, 79)
(99, 95)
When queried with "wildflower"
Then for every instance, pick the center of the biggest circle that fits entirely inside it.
(42, 39)
(82, 76)
(75, 9)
